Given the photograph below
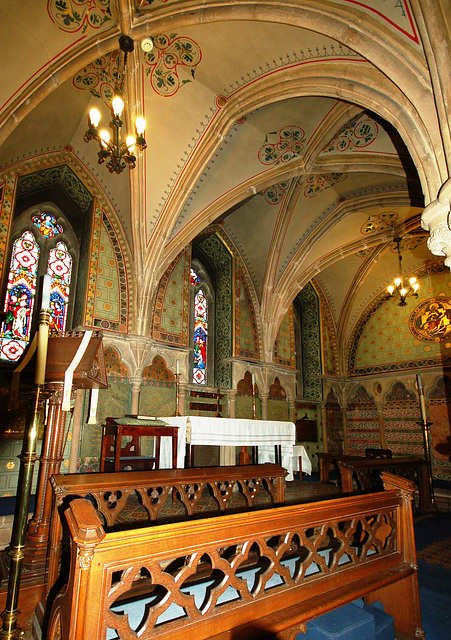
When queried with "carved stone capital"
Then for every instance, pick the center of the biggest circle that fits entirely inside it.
(436, 220)
(439, 242)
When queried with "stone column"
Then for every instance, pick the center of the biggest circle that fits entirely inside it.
(324, 427)
(182, 394)
(232, 403)
(264, 405)
(136, 388)
(291, 409)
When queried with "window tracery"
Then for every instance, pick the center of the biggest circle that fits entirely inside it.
(35, 252)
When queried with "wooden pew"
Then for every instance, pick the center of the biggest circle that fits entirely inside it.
(109, 493)
(364, 474)
(328, 461)
(250, 576)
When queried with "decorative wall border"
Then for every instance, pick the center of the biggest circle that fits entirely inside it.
(156, 331)
(241, 281)
(7, 199)
(282, 362)
(122, 325)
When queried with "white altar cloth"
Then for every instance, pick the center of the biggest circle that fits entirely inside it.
(299, 451)
(235, 432)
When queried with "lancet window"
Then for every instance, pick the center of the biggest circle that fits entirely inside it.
(34, 253)
(200, 331)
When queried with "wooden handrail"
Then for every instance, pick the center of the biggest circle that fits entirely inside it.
(110, 491)
(339, 550)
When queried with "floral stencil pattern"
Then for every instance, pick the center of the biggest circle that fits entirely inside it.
(380, 222)
(170, 56)
(101, 77)
(275, 194)
(317, 183)
(282, 146)
(360, 132)
(76, 15)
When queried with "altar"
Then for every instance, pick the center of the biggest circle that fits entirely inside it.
(232, 432)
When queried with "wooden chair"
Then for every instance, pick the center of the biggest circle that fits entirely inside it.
(378, 453)
(130, 459)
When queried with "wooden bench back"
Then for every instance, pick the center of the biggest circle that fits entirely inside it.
(364, 471)
(109, 493)
(307, 559)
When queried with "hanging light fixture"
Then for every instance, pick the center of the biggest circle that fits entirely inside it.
(118, 153)
(398, 288)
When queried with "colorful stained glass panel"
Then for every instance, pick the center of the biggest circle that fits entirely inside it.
(47, 225)
(200, 338)
(59, 267)
(20, 296)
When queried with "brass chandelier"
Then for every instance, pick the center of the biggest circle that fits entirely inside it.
(119, 154)
(400, 289)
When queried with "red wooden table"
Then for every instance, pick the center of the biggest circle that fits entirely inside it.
(116, 428)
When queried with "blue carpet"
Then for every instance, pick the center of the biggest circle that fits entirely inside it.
(430, 529)
(434, 579)
(435, 599)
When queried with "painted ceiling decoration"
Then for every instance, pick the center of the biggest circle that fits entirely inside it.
(396, 12)
(274, 195)
(380, 222)
(101, 77)
(171, 55)
(309, 134)
(59, 176)
(78, 15)
(317, 183)
(282, 146)
(359, 132)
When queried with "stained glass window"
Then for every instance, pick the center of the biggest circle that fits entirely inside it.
(59, 267)
(200, 333)
(47, 225)
(194, 277)
(20, 297)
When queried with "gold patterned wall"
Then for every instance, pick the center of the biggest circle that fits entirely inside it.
(417, 335)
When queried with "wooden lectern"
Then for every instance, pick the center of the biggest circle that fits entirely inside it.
(64, 353)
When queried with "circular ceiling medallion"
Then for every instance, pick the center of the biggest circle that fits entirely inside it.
(431, 320)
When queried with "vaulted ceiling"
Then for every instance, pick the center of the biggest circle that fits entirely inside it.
(306, 130)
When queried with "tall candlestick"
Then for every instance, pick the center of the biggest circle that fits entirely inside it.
(426, 436)
(43, 339)
(254, 407)
(47, 281)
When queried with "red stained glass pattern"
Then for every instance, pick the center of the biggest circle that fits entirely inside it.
(194, 278)
(47, 225)
(19, 299)
(59, 267)
(200, 334)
